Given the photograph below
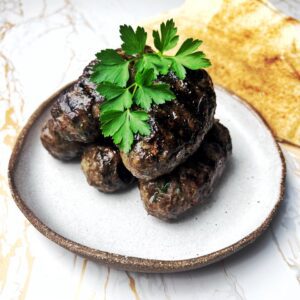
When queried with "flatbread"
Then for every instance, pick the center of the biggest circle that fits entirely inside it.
(255, 52)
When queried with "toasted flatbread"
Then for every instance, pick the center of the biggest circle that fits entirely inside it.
(255, 52)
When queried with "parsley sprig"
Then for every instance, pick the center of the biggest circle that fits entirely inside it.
(130, 83)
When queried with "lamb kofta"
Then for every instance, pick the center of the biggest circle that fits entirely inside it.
(75, 113)
(74, 121)
(56, 145)
(171, 195)
(104, 169)
(177, 127)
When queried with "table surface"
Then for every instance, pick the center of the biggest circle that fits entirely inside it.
(45, 44)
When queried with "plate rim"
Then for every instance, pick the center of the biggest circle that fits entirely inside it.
(131, 263)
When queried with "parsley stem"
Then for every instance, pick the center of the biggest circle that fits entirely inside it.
(134, 89)
(128, 88)
(134, 86)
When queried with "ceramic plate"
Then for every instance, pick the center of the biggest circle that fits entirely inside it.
(115, 228)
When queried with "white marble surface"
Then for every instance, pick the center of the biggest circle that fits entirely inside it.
(44, 44)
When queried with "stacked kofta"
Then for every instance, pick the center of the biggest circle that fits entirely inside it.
(178, 159)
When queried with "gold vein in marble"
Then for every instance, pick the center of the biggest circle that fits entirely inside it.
(106, 282)
(5, 260)
(8, 132)
(82, 273)
(30, 261)
(132, 286)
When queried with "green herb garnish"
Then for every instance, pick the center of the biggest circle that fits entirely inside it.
(123, 114)
(164, 187)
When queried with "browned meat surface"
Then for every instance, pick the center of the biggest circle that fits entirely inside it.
(76, 111)
(58, 147)
(74, 120)
(103, 168)
(76, 115)
(89, 88)
(171, 195)
(178, 127)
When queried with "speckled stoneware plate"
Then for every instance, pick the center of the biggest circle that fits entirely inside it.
(115, 228)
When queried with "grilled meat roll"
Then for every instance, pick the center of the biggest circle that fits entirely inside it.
(56, 145)
(178, 127)
(73, 113)
(76, 111)
(171, 195)
(103, 168)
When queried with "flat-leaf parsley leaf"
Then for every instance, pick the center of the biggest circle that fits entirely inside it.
(134, 42)
(112, 68)
(117, 98)
(187, 58)
(148, 91)
(121, 125)
(167, 39)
